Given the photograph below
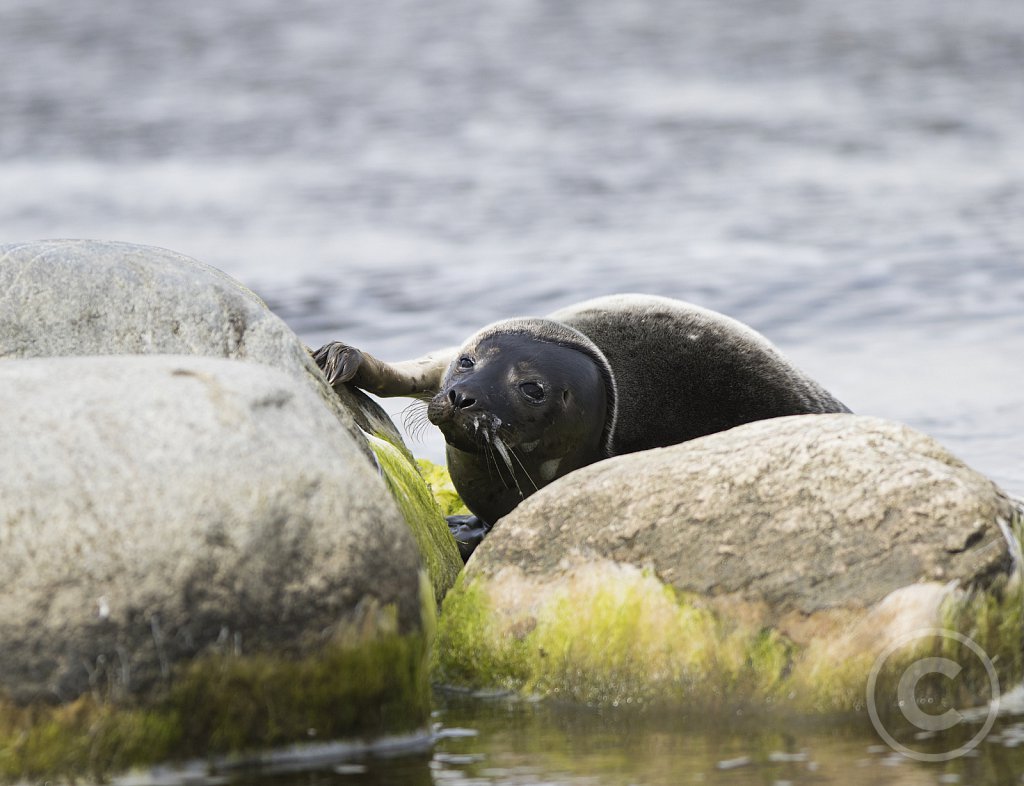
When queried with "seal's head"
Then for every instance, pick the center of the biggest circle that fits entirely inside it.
(526, 400)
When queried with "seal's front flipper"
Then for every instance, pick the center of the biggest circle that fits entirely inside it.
(468, 532)
(420, 378)
(338, 361)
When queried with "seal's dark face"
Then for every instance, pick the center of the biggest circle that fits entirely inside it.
(533, 407)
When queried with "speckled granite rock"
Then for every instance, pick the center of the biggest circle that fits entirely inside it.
(63, 298)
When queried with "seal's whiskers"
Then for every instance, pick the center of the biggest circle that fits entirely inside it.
(414, 418)
(522, 466)
(491, 459)
(503, 450)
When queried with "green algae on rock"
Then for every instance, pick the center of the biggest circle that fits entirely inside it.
(441, 486)
(224, 706)
(612, 636)
(422, 513)
(768, 566)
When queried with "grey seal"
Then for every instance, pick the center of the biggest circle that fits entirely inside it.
(525, 401)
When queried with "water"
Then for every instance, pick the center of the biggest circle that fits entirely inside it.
(848, 178)
(511, 742)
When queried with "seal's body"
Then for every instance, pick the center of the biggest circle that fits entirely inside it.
(682, 371)
(525, 401)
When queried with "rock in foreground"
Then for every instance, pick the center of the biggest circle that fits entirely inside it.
(90, 298)
(767, 565)
(195, 559)
(62, 298)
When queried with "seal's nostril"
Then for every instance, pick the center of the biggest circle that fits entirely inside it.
(459, 401)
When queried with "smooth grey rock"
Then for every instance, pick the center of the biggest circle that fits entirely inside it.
(88, 297)
(156, 508)
(805, 513)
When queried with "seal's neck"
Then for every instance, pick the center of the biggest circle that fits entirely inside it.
(495, 480)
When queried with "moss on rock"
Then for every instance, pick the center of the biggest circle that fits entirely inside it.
(441, 486)
(993, 616)
(422, 514)
(614, 635)
(470, 651)
(224, 705)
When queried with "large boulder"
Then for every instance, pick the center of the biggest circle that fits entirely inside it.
(85, 298)
(204, 551)
(195, 559)
(63, 298)
(88, 297)
(771, 565)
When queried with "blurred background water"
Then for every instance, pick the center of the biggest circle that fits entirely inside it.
(847, 178)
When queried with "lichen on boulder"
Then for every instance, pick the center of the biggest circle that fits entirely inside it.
(766, 566)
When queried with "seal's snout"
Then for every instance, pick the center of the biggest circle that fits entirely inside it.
(464, 416)
(460, 400)
(454, 404)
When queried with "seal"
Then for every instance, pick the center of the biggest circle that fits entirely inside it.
(525, 401)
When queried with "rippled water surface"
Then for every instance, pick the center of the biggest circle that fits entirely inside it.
(846, 177)
(509, 742)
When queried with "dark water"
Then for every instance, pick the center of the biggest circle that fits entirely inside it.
(846, 177)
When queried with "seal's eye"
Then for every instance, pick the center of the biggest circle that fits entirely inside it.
(466, 363)
(533, 391)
